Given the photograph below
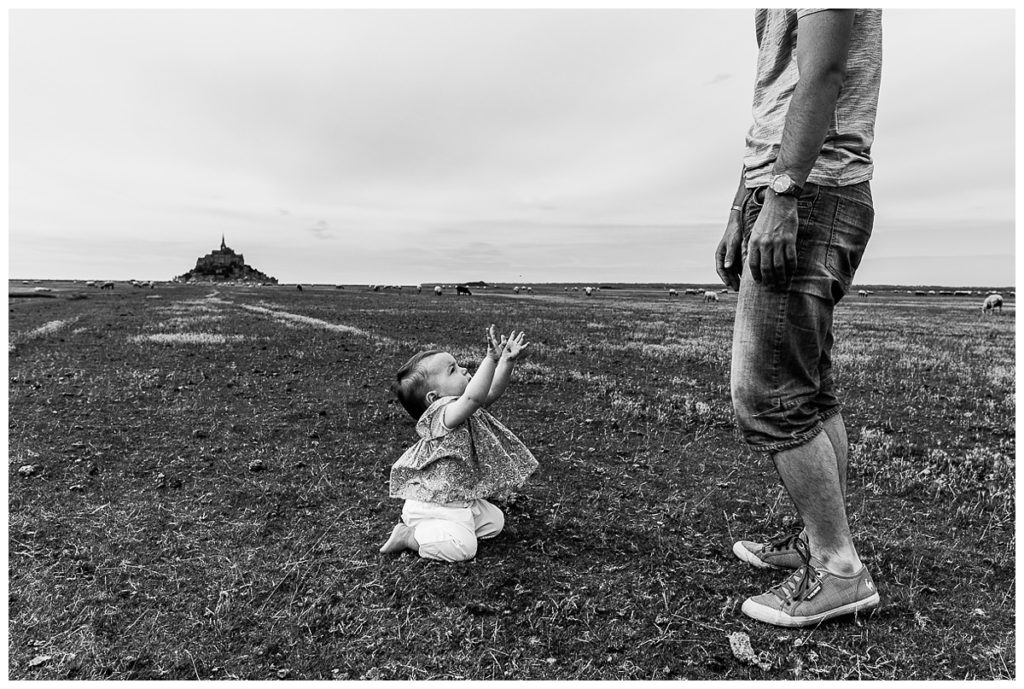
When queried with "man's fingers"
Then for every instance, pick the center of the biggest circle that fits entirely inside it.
(754, 261)
(780, 265)
(791, 259)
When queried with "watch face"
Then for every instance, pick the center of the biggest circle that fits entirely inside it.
(781, 184)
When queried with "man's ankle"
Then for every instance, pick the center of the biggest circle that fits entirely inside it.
(844, 566)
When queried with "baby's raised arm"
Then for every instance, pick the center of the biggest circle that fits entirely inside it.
(513, 347)
(476, 392)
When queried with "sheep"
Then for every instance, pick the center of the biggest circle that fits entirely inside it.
(515, 290)
(862, 292)
(588, 290)
(672, 292)
(463, 289)
(107, 285)
(438, 291)
(710, 296)
(90, 283)
(419, 289)
(993, 302)
(529, 290)
(298, 287)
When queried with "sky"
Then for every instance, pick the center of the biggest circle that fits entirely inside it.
(348, 146)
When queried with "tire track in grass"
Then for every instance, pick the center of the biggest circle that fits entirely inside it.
(288, 317)
(44, 330)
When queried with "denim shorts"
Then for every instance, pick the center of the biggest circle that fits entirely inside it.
(781, 374)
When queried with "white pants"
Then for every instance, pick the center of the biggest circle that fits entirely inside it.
(450, 532)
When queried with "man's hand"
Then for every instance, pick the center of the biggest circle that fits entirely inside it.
(771, 250)
(514, 346)
(728, 258)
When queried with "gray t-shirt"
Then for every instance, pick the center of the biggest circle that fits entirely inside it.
(846, 154)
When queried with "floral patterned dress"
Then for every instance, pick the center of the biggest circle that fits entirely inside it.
(479, 458)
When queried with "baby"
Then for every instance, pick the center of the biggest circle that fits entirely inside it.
(464, 454)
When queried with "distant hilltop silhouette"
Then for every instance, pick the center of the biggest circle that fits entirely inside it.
(224, 264)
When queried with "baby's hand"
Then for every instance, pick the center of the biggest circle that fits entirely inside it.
(514, 346)
(495, 347)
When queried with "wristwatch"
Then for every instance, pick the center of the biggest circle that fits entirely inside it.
(783, 185)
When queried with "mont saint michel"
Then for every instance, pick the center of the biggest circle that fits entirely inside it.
(221, 265)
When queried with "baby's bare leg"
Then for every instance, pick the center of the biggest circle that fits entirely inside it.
(402, 538)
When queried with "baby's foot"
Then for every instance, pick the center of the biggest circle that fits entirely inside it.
(401, 539)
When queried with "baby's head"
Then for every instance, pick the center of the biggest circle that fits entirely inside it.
(426, 377)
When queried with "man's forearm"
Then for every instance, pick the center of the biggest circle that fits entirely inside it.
(807, 120)
(741, 190)
(824, 40)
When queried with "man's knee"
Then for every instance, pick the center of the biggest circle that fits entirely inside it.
(770, 422)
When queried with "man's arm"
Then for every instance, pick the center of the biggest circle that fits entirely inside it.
(823, 41)
(728, 256)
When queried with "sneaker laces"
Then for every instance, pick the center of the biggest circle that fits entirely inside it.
(783, 543)
(804, 581)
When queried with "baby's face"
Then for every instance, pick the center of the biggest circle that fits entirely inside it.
(445, 376)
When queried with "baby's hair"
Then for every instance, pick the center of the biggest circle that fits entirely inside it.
(410, 386)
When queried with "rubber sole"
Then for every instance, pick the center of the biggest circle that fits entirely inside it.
(740, 551)
(763, 613)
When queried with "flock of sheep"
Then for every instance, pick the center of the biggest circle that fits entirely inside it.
(993, 300)
(518, 289)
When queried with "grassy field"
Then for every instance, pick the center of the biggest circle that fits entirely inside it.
(198, 489)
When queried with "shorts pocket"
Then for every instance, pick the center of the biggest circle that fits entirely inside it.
(851, 229)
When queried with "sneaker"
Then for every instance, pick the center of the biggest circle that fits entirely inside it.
(779, 554)
(809, 596)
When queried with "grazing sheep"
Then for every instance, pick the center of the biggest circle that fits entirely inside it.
(710, 296)
(919, 293)
(993, 302)
(529, 290)
(438, 291)
(672, 292)
(588, 290)
(419, 289)
(107, 285)
(298, 287)
(463, 289)
(862, 292)
(515, 289)
(90, 283)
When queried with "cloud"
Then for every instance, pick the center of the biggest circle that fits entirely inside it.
(321, 230)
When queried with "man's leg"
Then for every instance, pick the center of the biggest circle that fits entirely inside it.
(811, 475)
(836, 431)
